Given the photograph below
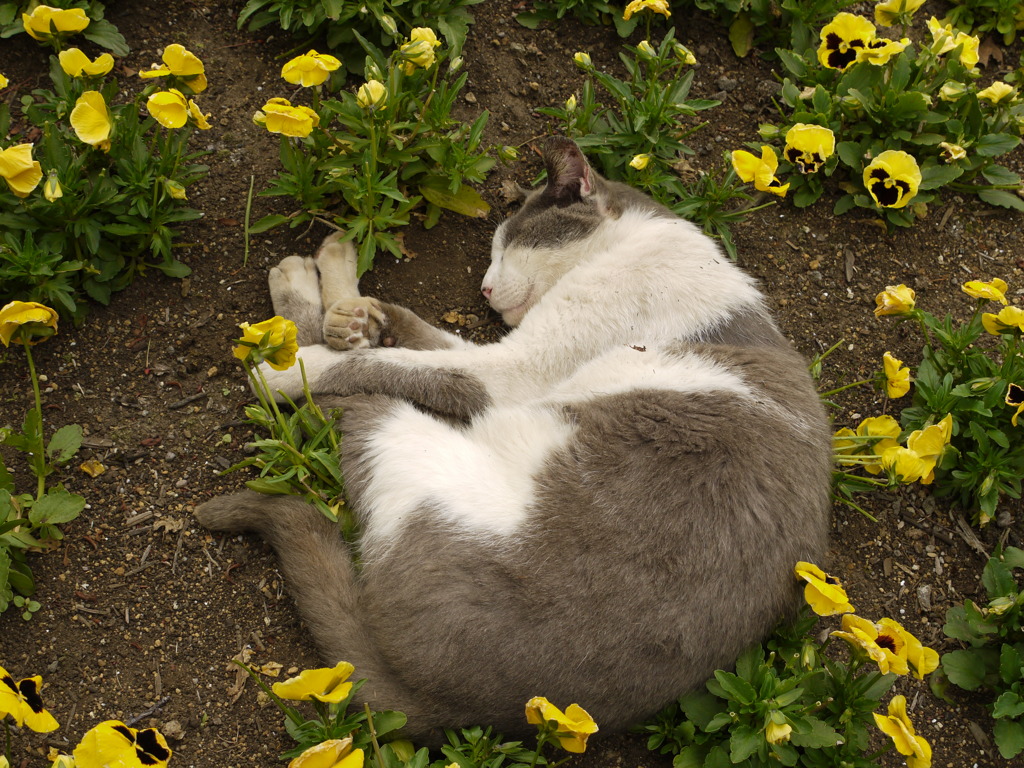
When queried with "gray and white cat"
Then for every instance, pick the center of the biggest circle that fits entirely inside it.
(601, 508)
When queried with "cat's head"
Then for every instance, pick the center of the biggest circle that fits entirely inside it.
(546, 237)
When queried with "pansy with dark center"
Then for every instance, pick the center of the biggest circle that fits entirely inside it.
(114, 743)
(892, 178)
(21, 700)
(1015, 399)
(843, 38)
(809, 146)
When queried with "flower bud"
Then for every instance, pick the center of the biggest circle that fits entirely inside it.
(508, 154)
(639, 162)
(175, 189)
(684, 54)
(570, 103)
(389, 25)
(582, 60)
(646, 50)
(951, 90)
(51, 189)
(455, 65)
(372, 95)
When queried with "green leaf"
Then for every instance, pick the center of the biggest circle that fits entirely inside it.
(466, 201)
(851, 153)
(1002, 198)
(105, 35)
(964, 668)
(995, 144)
(174, 268)
(1009, 736)
(998, 579)
(20, 578)
(741, 35)
(701, 707)
(1009, 705)
(267, 222)
(388, 721)
(1011, 668)
(65, 443)
(56, 507)
(529, 20)
(1000, 176)
(820, 735)
(744, 742)
(1013, 557)
(935, 176)
(735, 687)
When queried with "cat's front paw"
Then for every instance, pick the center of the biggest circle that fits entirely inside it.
(354, 323)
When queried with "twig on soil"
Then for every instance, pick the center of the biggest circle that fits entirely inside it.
(148, 713)
(185, 401)
(934, 530)
(177, 551)
(969, 536)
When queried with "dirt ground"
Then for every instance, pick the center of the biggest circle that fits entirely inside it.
(142, 609)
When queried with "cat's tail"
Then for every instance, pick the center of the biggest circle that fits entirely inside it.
(317, 564)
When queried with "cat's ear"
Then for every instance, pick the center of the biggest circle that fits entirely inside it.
(570, 178)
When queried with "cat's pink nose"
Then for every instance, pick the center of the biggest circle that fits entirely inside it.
(486, 292)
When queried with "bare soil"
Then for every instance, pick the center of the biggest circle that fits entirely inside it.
(143, 609)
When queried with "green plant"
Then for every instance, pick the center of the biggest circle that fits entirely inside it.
(100, 196)
(640, 140)
(27, 520)
(790, 702)
(994, 658)
(1003, 16)
(904, 122)
(345, 21)
(98, 31)
(361, 158)
(769, 22)
(585, 11)
(972, 376)
(301, 453)
(355, 739)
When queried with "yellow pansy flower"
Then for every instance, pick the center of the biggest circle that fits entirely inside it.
(202, 121)
(45, 22)
(886, 430)
(809, 146)
(419, 51)
(639, 162)
(19, 170)
(20, 699)
(922, 659)
(994, 290)
(843, 446)
(952, 152)
(654, 6)
(904, 465)
(327, 684)
(38, 320)
(942, 36)
(996, 92)
(51, 189)
(889, 12)
(895, 300)
(310, 69)
(372, 94)
(897, 376)
(777, 733)
(1009, 320)
(881, 49)
(77, 64)
(181, 63)
(112, 743)
(169, 108)
(969, 55)
(892, 178)
(924, 448)
(842, 38)
(279, 116)
(882, 642)
(582, 60)
(823, 592)
(897, 726)
(4, 82)
(952, 90)
(91, 120)
(1015, 399)
(572, 728)
(333, 753)
(761, 170)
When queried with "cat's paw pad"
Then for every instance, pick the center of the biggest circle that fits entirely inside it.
(353, 323)
(295, 280)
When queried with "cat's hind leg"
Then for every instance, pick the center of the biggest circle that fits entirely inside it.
(350, 321)
(295, 293)
(317, 566)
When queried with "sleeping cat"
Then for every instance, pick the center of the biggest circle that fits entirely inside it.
(601, 508)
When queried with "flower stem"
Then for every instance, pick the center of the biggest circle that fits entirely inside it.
(38, 450)
(848, 386)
